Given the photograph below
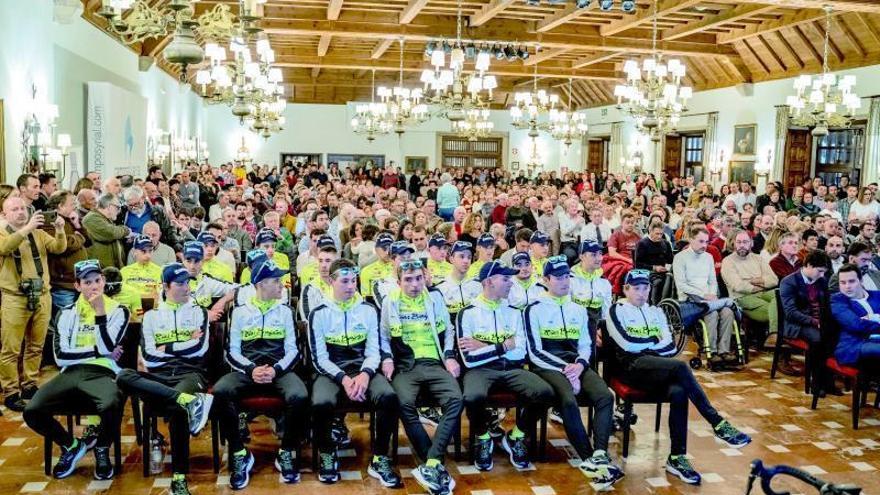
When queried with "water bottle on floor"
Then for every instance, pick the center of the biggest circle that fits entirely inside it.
(157, 456)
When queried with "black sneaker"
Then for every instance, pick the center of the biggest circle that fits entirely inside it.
(495, 429)
(519, 453)
(28, 393)
(103, 465)
(381, 469)
(328, 467)
(287, 463)
(601, 471)
(339, 432)
(680, 466)
(244, 432)
(198, 410)
(430, 416)
(67, 461)
(446, 478)
(13, 402)
(241, 470)
(483, 454)
(431, 479)
(90, 436)
(179, 487)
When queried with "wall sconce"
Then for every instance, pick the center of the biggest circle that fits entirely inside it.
(63, 143)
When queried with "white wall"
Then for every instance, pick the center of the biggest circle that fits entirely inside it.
(326, 129)
(734, 109)
(59, 59)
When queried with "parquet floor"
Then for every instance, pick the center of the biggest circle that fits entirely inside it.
(776, 413)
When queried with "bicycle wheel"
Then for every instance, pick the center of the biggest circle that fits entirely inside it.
(676, 326)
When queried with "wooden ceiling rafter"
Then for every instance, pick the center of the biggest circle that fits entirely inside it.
(560, 17)
(711, 22)
(646, 15)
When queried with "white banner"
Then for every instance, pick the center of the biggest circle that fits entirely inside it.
(116, 131)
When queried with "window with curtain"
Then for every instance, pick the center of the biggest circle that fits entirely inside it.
(693, 155)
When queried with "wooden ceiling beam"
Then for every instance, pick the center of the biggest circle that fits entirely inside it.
(866, 23)
(850, 36)
(791, 51)
(559, 18)
(489, 11)
(866, 6)
(832, 46)
(594, 59)
(333, 10)
(324, 44)
(665, 7)
(411, 10)
(503, 31)
(709, 22)
(792, 19)
(545, 55)
(381, 48)
(773, 55)
(817, 57)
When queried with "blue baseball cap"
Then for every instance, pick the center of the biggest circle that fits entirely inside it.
(175, 272)
(384, 240)
(636, 277)
(325, 240)
(194, 250)
(401, 247)
(207, 238)
(266, 270)
(255, 256)
(264, 236)
(437, 240)
(556, 266)
(590, 246)
(495, 267)
(461, 246)
(520, 257)
(86, 267)
(143, 243)
(539, 238)
(486, 241)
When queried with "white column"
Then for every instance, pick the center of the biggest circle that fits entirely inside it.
(871, 163)
(617, 147)
(779, 148)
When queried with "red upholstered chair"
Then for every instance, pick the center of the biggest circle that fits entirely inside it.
(859, 387)
(631, 395)
(787, 345)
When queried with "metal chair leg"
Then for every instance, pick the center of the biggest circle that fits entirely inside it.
(657, 417)
(627, 417)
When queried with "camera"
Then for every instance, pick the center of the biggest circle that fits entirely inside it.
(32, 288)
(49, 217)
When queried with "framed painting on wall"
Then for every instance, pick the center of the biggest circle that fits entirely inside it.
(741, 170)
(355, 161)
(304, 158)
(416, 164)
(744, 138)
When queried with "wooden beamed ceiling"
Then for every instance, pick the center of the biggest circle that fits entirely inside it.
(328, 49)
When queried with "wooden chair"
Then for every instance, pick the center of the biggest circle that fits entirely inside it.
(788, 345)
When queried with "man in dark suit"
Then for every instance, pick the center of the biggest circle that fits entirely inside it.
(857, 312)
(805, 301)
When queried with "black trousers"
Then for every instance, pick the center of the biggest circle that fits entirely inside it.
(161, 392)
(596, 394)
(326, 396)
(435, 382)
(674, 379)
(78, 384)
(818, 354)
(570, 250)
(235, 386)
(534, 393)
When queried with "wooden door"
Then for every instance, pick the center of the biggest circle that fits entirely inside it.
(796, 168)
(596, 156)
(672, 150)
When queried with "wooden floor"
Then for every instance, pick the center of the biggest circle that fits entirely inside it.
(776, 413)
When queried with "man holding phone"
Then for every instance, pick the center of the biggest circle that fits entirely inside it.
(26, 304)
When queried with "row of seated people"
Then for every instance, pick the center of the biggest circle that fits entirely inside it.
(543, 354)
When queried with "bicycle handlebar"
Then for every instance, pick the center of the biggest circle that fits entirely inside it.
(767, 473)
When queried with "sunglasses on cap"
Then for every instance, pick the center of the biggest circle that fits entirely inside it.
(560, 258)
(412, 265)
(640, 272)
(463, 244)
(346, 271)
(82, 265)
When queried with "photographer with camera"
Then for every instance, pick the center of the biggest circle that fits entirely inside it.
(26, 304)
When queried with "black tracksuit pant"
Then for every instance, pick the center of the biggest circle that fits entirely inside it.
(235, 386)
(534, 393)
(596, 394)
(429, 378)
(161, 390)
(80, 383)
(676, 379)
(327, 394)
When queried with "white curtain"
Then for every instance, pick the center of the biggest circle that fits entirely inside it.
(616, 148)
(872, 144)
(710, 154)
(779, 149)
